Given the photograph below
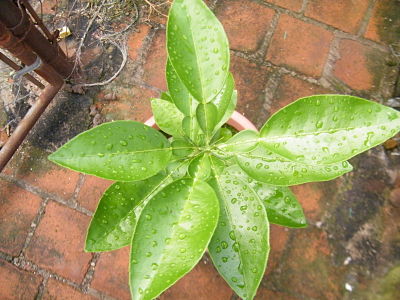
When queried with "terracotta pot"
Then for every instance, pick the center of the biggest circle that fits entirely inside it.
(237, 121)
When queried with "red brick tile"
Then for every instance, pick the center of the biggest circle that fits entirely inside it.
(59, 241)
(294, 5)
(310, 196)
(265, 294)
(111, 274)
(384, 25)
(342, 14)
(132, 103)
(306, 54)
(91, 191)
(154, 68)
(56, 290)
(359, 66)
(18, 208)
(202, 283)
(136, 39)
(245, 23)
(278, 239)
(291, 89)
(250, 82)
(308, 270)
(17, 284)
(32, 166)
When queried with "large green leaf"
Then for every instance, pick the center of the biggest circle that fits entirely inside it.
(240, 245)
(281, 204)
(171, 236)
(326, 129)
(121, 150)
(266, 166)
(167, 117)
(198, 48)
(114, 221)
(207, 115)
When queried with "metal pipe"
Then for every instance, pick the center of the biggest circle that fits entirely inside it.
(21, 26)
(28, 122)
(16, 67)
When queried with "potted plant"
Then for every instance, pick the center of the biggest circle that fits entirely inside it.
(205, 188)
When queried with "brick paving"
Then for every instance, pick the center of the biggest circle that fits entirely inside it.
(281, 50)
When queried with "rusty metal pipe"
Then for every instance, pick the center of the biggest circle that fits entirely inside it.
(18, 22)
(16, 67)
(24, 53)
(28, 122)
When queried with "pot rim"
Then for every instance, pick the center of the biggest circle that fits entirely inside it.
(237, 121)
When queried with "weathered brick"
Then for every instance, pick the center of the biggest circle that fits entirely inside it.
(299, 45)
(278, 239)
(359, 66)
(266, 294)
(245, 23)
(154, 68)
(310, 196)
(17, 284)
(31, 165)
(291, 89)
(384, 25)
(308, 270)
(18, 208)
(57, 290)
(294, 5)
(250, 82)
(342, 14)
(59, 241)
(132, 103)
(91, 191)
(136, 39)
(111, 274)
(202, 283)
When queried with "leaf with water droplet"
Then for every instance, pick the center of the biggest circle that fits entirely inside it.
(200, 167)
(181, 148)
(281, 204)
(240, 250)
(244, 141)
(269, 167)
(115, 162)
(326, 129)
(114, 221)
(202, 65)
(167, 117)
(181, 242)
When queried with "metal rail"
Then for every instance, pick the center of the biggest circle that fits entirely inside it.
(24, 41)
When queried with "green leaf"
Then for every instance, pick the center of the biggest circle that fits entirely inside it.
(121, 150)
(281, 204)
(238, 143)
(240, 245)
(182, 148)
(171, 236)
(221, 136)
(266, 166)
(226, 101)
(167, 117)
(166, 96)
(114, 221)
(179, 93)
(198, 48)
(326, 129)
(200, 167)
(207, 118)
(192, 130)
